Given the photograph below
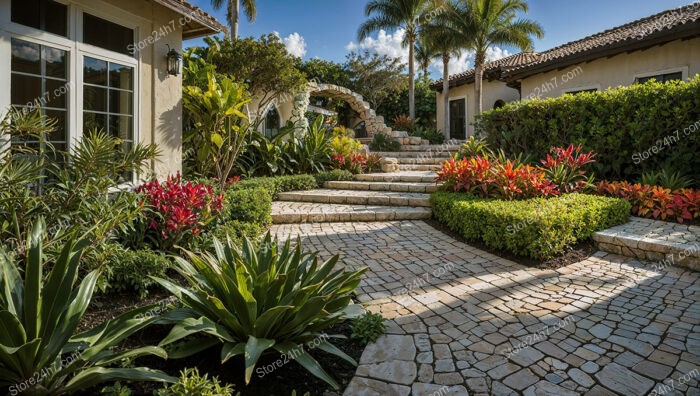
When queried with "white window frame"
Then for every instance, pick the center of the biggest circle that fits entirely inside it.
(263, 124)
(682, 69)
(77, 51)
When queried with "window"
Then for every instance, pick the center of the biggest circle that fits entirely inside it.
(45, 15)
(107, 35)
(582, 90)
(271, 127)
(661, 77)
(39, 78)
(458, 119)
(108, 99)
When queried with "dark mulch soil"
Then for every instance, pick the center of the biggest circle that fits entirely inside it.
(280, 379)
(576, 253)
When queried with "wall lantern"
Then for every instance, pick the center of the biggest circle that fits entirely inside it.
(174, 62)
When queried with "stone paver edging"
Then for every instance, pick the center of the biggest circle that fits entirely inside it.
(463, 321)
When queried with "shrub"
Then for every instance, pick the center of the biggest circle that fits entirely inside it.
(655, 202)
(334, 175)
(666, 179)
(178, 210)
(41, 353)
(278, 184)
(235, 230)
(252, 205)
(473, 147)
(618, 124)
(343, 145)
(368, 327)
(343, 131)
(374, 163)
(129, 270)
(353, 163)
(492, 179)
(563, 168)
(432, 135)
(191, 383)
(539, 228)
(264, 296)
(402, 122)
(382, 142)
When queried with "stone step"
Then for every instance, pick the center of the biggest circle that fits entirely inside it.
(412, 154)
(383, 186)
(421, 161)
(659, 242)
(407, 167)
(440, 148)
(306, 212)
(357, 197)
(402, 176)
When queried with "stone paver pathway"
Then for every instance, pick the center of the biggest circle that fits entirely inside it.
(463, 321)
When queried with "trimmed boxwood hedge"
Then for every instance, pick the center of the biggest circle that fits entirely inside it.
(538, 228)
(334, 175)
(278, 184)
(616, 124)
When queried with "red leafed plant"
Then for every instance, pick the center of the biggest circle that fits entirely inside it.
(489, 178)
(178, 210)
(353, 162)
(655, 202)
(563, 166)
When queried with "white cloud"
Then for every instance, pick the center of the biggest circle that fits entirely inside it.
(295, 44)
(390, 44)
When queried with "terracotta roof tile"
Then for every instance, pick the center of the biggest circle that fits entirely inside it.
(490, 68)
(209, 24)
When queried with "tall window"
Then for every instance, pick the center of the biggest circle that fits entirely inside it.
(271, 126)
(45, 15)
(108, 35)
(39, 78)
(108, 99)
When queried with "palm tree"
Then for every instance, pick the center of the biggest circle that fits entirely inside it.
(445, 36)
(493, 22)
(232, 12)
(425, 53)
(392, 15)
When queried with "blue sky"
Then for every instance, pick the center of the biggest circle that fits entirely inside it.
(327, 27)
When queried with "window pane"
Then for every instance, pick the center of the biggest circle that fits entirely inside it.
(94, 98)
(673, 76)
(26, 57)
(55, 62)
(120, 102)
(121, 127)
(106, 34)
(121, 76)
(25, 90)
(56, 94)
(58, 135)
(95, 71)
(94, 121)
(46, 15)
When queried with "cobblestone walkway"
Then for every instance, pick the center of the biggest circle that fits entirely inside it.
(463, 321)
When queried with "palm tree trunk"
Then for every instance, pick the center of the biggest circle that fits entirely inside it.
(446, 92)
(233, 7)
(411, 81)
(479, 61)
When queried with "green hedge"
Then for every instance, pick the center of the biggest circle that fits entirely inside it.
(334, 175)
(538, 228)
(128, 270)
(235, 229)
(618, 124)
(278, 184)
(253, 205)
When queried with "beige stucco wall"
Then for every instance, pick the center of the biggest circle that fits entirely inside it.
(620, 70)
(491, 92)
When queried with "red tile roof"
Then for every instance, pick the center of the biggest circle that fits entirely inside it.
(202, 23)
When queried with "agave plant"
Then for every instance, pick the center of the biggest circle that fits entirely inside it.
(262, 298)
(39, 355)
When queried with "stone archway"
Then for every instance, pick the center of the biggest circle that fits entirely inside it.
(373, 122)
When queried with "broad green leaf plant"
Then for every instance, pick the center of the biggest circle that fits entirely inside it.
(264, 297)
(39, 314)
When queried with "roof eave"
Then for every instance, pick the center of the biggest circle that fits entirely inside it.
(683, 31)
(201, 24)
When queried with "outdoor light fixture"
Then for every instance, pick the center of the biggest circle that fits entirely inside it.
(174, 62)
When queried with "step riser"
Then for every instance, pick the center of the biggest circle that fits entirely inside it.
(421, 161)
(283, 218)
(412, 155)
(660, 253)
(354, 200)
(389, 178)
(405, 167)
(379, 186)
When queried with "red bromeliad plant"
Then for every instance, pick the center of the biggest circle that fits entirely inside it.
(179, 210)
(491, 179)
(563, 167)
(655, 202)
(353, 162)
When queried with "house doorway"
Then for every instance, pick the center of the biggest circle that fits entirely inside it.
(458, 119)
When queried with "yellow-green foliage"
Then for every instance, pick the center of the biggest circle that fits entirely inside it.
(344, 145)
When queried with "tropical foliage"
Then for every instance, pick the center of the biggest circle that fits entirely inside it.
(655, 202)
(259, 298)
(40, 352)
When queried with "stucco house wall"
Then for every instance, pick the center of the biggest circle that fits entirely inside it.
(491, 92)
(620, 70)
